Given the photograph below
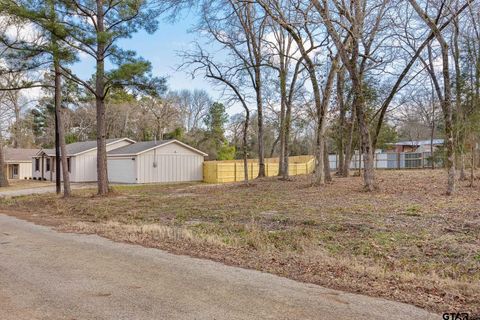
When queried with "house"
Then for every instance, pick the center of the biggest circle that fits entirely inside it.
(19, 162)
(81, 159)
(416, 145)
(155, 161)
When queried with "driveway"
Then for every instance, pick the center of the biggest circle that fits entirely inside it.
(50, 188)
(46, 274)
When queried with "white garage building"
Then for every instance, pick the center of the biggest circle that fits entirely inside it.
(155, 161)
(81, 160)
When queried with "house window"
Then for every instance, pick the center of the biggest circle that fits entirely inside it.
(37, 164)
(48, 165)
(68, 164)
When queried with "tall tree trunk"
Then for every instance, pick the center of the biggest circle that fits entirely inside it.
(321, 112)
(458, 102)
(16, 128)
(327, 93)
(261, 139)
(349, 146)
(341, 129)
(58, 162)
(326, 161)
(366, 142)
(102, 174)
(61, 130)
(448, 118)
(472, 167)
(244, 144)
(432, 132)
(283, 101)
(463, 174)
(3, 166)
(319, 176)
(286, 152)
(57, 101)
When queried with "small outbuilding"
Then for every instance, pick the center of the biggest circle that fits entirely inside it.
(416, 145)
(155, 162)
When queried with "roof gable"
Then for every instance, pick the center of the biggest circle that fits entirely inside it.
(77, 148)
(145, 146)
(419, 142)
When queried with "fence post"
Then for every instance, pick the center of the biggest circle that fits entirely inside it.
(398, 160)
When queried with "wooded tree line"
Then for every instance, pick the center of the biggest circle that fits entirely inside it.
(310, 76)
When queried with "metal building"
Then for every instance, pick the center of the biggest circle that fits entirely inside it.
(155, 162)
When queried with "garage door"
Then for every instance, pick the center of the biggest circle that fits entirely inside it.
(122, 170)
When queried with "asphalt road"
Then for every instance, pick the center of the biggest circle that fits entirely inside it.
(45, 274)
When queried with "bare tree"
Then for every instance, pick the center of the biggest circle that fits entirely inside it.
(166, 112)
(284, 57)
(446, 98)
(351, 31)
(229, 78)
(298, 25)
(194, 105)
(239, 27)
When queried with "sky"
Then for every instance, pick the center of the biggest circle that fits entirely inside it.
(161, 50)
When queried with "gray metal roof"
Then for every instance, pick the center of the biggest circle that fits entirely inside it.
(138, 147)
(79, 147)
(419, 142)
(19, 155)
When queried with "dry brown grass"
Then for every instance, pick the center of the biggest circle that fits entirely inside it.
(408, 242)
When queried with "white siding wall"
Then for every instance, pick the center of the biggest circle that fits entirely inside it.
(24, 170)
(169, 168)
(84, 167)
(122, 170)
(173, 163)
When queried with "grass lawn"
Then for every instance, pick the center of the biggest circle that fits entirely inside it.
(407, 242)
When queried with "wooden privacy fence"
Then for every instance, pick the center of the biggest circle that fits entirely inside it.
(232, 170)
